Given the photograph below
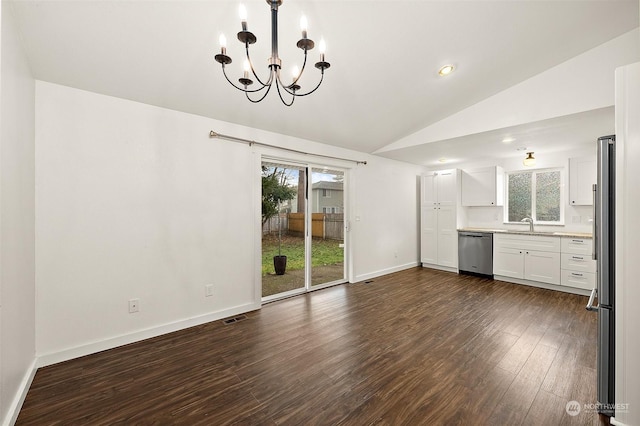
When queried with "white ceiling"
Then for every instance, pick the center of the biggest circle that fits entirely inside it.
(561, 134)
(382, 84)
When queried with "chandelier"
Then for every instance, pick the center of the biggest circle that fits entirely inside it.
(275, 64)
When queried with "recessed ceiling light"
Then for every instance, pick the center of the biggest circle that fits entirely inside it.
(446, 70)
(521, 148)
(442, 160)
(508, 139)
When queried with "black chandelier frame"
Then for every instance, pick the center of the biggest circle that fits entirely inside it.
(275, 63)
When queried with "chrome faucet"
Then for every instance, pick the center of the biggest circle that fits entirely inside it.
(528, 219)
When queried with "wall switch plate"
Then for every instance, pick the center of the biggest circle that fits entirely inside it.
(134, 306)
(208, 290)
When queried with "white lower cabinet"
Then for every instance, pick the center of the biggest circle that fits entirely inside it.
(513, 257)
(578, 268)
(562, 261)
(542, 266)
(508, 262)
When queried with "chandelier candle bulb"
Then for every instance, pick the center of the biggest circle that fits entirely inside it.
(247, 67)
(223, 44)
(303, 26)
(242, 11)
(323, 48)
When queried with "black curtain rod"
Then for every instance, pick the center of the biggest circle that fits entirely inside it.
(213, 134)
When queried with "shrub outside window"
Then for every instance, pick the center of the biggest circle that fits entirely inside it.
(536, 194)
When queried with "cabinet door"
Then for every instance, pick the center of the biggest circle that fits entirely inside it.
(428, 189)
(429, 234)
(479, 187)
(447, 190)
(447, 236)
(508, 262)
(542, 266)
(582, 176)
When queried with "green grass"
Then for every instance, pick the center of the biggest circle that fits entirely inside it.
(324, 252)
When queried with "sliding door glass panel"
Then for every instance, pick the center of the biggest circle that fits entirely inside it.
(326, 198)
(283, 228)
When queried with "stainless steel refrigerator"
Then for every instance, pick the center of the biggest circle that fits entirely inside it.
(604, 254)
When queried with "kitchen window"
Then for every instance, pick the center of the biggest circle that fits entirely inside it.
(536, 194)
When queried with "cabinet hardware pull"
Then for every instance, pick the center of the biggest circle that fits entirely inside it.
(576, 275)
(578, 241)
(577, 257)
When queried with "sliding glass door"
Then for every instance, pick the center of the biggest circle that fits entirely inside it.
(283, 229)
(303, 228)
(327, 225)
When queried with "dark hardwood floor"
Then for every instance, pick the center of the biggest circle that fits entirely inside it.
(411, 348)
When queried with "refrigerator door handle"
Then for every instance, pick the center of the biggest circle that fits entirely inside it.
(590, 306)
(594, 221)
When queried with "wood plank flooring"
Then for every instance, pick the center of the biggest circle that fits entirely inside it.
(419, 347)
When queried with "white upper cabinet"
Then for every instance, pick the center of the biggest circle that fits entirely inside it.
(483, 187)
(582, 176)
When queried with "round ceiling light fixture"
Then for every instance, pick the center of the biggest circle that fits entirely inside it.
(446, 70)
(529, 160)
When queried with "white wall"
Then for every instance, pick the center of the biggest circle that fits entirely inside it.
(627, 387)
(17, 281)
(386, 218)
(135, 201)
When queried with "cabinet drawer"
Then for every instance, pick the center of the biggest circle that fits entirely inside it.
(584, 280)
(577, 245)
(527, 242)
(578, 262)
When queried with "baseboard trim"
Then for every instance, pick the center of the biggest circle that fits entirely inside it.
(386, 271)
(440, 268)
(21, 395)
(44, 360)
(538, 284)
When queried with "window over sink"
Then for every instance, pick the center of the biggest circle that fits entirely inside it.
(536, 194)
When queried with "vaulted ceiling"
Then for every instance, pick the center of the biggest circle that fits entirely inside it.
(382, 84)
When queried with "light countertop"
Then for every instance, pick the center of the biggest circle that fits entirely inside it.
(523, 232)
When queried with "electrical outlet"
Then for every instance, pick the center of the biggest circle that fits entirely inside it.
(208, 290)
(134, 305)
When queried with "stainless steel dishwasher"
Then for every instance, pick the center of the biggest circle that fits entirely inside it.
(475, 252)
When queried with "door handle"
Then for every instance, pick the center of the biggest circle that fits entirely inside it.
(590, 306)
(594, 225)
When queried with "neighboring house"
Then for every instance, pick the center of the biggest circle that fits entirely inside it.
(327, 197)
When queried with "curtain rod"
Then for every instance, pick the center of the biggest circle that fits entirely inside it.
(213, 134)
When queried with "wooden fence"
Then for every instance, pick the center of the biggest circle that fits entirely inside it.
(323, 225)
(271, 225)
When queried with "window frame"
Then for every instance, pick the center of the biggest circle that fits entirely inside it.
(534, 173)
